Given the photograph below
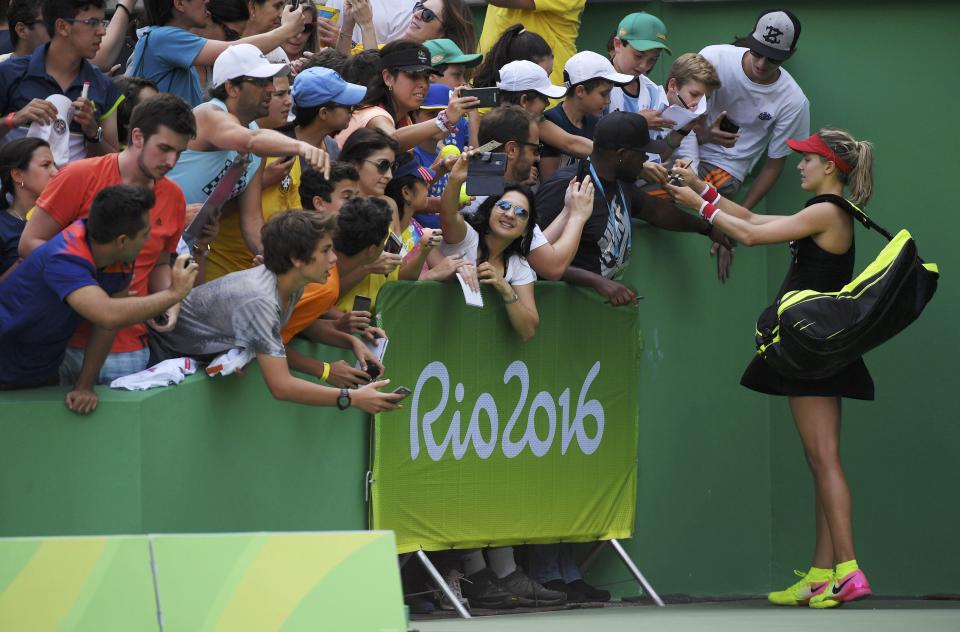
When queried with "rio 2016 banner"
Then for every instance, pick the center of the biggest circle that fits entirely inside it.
(505, 442)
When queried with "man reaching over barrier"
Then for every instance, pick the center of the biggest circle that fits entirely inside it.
(248, 309)
(82, 273)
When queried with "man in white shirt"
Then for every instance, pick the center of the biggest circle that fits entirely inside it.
(758, 106)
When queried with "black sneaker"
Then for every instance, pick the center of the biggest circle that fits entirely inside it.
(561, 586)
(589, 592)
(482, 590)
(529, 592)
(418, 605)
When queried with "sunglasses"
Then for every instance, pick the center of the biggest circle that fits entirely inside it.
(518, 211)
(260, 82)
(383, 165)
(537, 147)
(426, 15)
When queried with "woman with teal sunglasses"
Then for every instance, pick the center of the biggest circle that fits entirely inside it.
(496, 239)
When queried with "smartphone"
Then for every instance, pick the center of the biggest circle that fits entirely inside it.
(394, 246)
(326, 13)
(361, 303)
(402, 390)
(373, 371)
(726, 125)
(294, 4)
(485, 174)
(583, 170)
(489, 97)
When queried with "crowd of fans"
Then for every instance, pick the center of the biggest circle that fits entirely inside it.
(116, 131)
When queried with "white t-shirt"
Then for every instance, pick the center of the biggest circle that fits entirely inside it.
(650, 97)
(768, 115)
(518, 271)
(539, 239)
(390, 18)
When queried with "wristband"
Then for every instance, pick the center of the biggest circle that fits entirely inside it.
(708, 211)
(9, 120)
(120, 6)
(667, 139)
(444, 121)
(326, 371)
(710, 194)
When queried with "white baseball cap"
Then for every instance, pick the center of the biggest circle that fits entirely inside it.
(588, 65)
(523, 75)
(244, 60)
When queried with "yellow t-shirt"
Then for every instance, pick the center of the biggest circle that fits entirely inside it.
(369, 287)
(229, 252)
(556, 21)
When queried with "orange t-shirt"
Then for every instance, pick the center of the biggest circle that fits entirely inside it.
(67, 198)
(316, 299)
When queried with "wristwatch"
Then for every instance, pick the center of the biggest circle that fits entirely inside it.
(95, 140)
(343, 402)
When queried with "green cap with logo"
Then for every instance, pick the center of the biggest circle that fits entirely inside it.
(444, 51)
(643, 31)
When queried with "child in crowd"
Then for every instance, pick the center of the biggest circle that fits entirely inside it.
(591, 78)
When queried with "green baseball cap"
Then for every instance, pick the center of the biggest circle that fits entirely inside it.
(643, 31)
(444, 51)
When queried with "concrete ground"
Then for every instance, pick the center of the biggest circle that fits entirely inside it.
(871, 615)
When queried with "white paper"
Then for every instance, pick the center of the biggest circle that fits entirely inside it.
(679, 115)
(472, 297)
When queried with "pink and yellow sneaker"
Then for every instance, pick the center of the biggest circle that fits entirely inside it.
(850, 587)
(811, 583)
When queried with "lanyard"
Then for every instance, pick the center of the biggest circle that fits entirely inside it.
(618, 244)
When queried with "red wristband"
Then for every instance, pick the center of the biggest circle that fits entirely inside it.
(708, 211)
(710, 194)
(9, 120)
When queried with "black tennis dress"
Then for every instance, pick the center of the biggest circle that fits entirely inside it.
(813, 268)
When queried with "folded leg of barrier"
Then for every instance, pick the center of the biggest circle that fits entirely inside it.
(404, 559)
(636, 571)
(442, 584)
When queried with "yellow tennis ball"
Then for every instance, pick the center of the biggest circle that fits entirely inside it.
(464, 198)
(449, 151)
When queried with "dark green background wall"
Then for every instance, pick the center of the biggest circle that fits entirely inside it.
(725, 502)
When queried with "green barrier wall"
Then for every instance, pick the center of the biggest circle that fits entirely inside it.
(209, 455)
(725, 502)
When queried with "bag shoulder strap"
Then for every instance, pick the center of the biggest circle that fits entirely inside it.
(853, 209)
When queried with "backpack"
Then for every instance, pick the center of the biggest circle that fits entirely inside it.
(812, 335)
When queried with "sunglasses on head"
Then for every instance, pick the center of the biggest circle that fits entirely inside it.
(426, 15)
(519, 212)
(383, 165)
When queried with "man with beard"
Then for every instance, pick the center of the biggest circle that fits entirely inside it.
(160, 129)
(241, 92)
(620, 147)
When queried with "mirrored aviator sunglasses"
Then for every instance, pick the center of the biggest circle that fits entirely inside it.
(518, 211)
(426, 15)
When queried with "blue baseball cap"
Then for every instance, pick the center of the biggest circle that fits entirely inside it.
(318, 85)
(413, 168)
(438, 97)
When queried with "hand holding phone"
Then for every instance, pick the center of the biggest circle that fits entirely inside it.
(402, 390)
(488, 97)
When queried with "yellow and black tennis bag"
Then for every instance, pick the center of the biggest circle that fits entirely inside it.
(812, 335)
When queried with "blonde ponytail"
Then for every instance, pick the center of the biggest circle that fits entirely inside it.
(859, 155)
